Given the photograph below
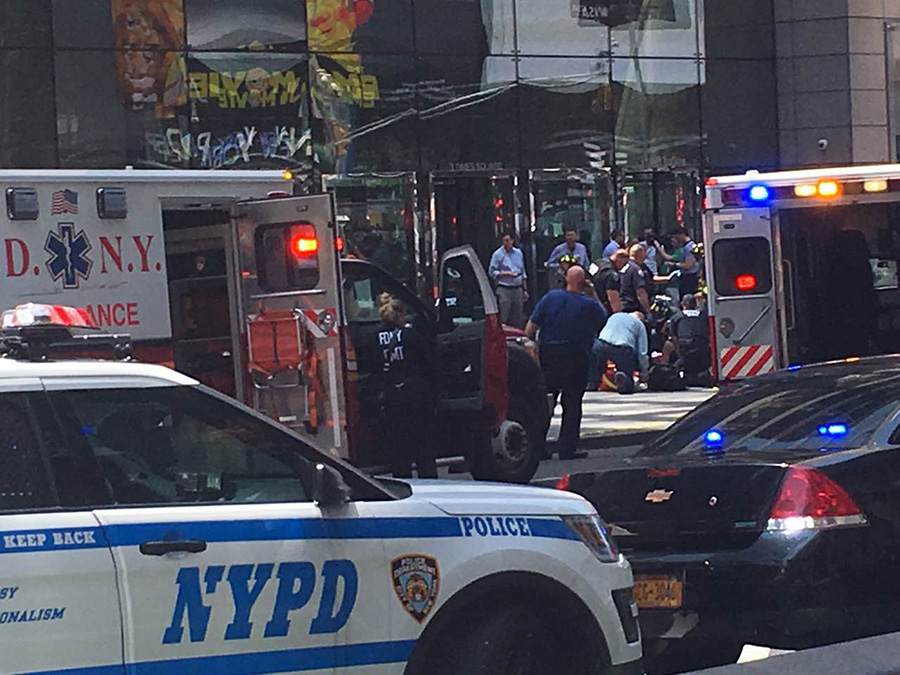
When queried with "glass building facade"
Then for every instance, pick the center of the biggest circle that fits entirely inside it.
(436, 122)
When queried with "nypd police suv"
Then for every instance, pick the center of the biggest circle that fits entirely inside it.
(151, 525)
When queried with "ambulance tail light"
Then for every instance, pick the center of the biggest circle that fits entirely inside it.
(745, 282)
(304, 245)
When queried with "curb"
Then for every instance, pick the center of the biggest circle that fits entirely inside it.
(617, 439)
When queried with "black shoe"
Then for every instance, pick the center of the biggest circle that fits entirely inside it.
(624, 383)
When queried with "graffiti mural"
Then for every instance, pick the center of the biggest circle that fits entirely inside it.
(278, 146)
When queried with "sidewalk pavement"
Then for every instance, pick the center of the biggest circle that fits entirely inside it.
(612, 419)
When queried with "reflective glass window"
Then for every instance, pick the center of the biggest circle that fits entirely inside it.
(739, 29)
(25, 23)
(566, 112)
(459, 27)
(364, 115)
(657, 112)
(564, 27)
(219, 25)
(468, 113)
(27, 124)
(660, 28)
(360, 26)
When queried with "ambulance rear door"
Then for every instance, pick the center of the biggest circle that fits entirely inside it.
(742, 292)
(291, 310)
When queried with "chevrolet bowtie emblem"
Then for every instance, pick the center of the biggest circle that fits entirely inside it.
(659, 496)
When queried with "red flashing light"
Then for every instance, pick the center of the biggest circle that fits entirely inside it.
(564, 483)
(31, 314)
(339, 244)
(806, 493)
(305, 245)
(711, 181)
(745, 282)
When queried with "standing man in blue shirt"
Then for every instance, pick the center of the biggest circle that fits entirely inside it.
(570, 246)
(565, 322)
(616, 241)
(507, 269)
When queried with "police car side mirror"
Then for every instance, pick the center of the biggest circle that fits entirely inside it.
(328, 488)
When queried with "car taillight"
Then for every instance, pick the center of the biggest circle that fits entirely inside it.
(810, 500)
(564, 483)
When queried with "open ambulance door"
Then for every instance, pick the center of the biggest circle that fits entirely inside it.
(741, 273)
(472, 359)
(291, 310)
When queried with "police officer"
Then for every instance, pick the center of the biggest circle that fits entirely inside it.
(689, 329)
(406, 392)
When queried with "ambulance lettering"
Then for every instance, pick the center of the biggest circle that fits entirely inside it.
(294, 584)
(495, 526)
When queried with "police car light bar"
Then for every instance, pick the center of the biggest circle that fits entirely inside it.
(31, 314)
(34, 332)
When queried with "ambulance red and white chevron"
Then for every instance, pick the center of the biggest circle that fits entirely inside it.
(738, 362)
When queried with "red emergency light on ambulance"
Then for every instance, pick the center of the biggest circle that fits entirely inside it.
(802, 267)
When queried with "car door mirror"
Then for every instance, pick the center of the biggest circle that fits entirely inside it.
(328, 487)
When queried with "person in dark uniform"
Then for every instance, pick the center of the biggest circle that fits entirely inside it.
(608, 284)
(633, 287)
(406, 385)
(568, 321)
(689, 332)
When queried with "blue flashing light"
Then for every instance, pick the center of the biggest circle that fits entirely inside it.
(833, 430)
(714, 437)
(794, 367)
(759, 193)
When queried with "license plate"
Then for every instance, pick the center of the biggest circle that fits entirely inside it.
(658, 592)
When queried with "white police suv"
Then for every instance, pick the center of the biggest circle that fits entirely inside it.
(151, 525)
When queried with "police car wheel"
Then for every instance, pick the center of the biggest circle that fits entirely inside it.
(510, 641)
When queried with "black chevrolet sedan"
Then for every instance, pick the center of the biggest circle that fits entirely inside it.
(770, 515)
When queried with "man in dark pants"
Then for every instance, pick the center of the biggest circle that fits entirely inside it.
(568, 320)
(623, 341)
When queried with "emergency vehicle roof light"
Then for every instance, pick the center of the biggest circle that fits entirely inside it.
(875, 185)
(829, 188)
(33, 332)
(806, 190)
(758, 193)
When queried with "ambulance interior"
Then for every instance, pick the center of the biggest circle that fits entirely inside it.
(841, 290)
(200, 292)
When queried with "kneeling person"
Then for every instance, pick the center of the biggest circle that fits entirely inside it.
(623, 341)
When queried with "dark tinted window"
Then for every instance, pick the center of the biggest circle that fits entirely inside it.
(742, 266)
(177, 444)
(24, 480)
(804, 412)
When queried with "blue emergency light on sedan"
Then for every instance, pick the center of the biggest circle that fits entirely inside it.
(833, 430)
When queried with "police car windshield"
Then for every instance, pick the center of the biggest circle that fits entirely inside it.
(817, 414)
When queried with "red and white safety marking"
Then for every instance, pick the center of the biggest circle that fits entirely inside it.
(738, 362)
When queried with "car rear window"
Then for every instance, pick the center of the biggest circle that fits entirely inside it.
(808, 414)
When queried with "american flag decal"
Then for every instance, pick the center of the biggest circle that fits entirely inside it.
(65, 201)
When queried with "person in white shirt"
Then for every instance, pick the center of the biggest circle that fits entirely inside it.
(507, 269)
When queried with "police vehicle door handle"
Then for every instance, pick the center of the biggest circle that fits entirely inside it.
(164, 547)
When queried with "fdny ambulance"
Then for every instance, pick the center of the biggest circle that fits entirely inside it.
(227, 277)
(149, 524)
(802, 267)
